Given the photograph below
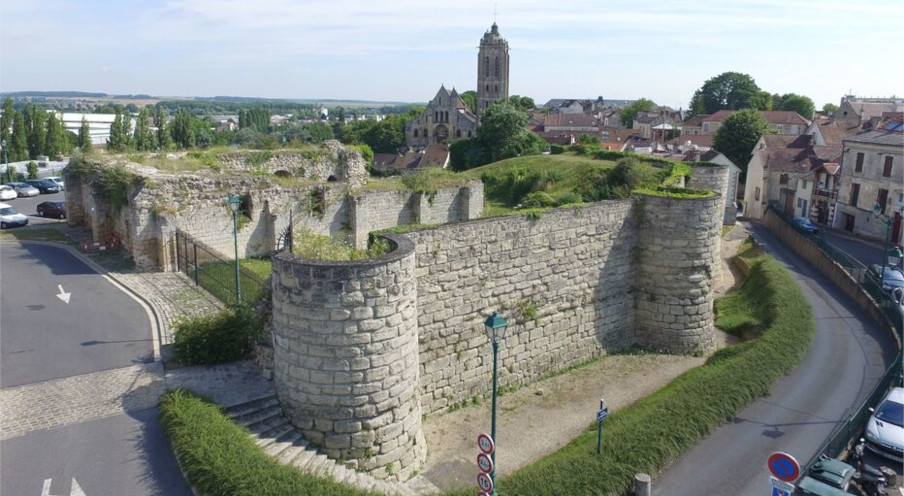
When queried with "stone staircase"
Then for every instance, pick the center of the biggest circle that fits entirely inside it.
(272, 431)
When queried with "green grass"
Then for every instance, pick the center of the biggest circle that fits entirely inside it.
(37, 234)
(218, 278)
(219, 458)
(308, 245)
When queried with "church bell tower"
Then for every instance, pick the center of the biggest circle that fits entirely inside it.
(492, 69)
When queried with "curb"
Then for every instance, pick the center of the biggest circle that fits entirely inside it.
(149, 308)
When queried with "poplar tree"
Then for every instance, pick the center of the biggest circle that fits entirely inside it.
(6, 121)
(144, 136)
(53, 142)
(127, 139)
(84, 136)
(114, 143)
(18, 148)
(164, 141)
(37, 131)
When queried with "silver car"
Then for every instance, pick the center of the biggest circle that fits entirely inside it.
(23, 189)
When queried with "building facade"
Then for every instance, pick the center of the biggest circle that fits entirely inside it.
(447, 118)
(492, 69)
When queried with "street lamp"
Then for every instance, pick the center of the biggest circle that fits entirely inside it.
(234, 203)
(496, 327)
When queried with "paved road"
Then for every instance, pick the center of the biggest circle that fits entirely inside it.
(848, 357)
(122, 455)
(44, 338)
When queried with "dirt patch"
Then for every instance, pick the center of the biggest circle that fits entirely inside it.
(541, 418)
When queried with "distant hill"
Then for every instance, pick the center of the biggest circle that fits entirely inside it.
(54, 94)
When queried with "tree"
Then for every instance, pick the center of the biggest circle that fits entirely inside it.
(32, 169)
(319, 131)
(630, 111)
(470, 99)
(37, 131)
(55, 142)
(144, 135)
(128, 140)
(18, 149)
(522, 102)
(796, 103)
(84, 136)
(387, 136)
(738, 134)
(503, 134)
(6, 121)
(829, 109)
(729, 90)
(181, 129)
(115, 143)
(164, 141)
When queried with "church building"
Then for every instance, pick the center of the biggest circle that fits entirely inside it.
(447, 117)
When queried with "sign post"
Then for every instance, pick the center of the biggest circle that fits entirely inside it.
(486, 479)
(785, 470)
(600, 415)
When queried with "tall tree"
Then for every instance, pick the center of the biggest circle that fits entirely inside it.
(164, 141)
(55, 142)
(37, 132)
(803, 105)
(144, 135)
(18, 149)
(182, 129)
(829, 109)
(115, 143)
(84, 136)
(738, 134)
(470, 99)
(127, 138)
(387, 136)
(6, 121)
(729, 90)
(630, 111)
(503, 134)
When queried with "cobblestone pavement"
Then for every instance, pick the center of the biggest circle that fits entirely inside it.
(80, 398)
(228, 384)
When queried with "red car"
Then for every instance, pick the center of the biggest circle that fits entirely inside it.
(52, 209)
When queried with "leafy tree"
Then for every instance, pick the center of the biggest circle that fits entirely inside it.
(470, 99)
(55, 142)
(829, 109)
(18, 148)
(128, 140)
(386, 136)
(164, 140)
(344, 133)
(729, 90)
(6, 121)
(181, 129)
(84, 136)
(319, 131)
(116, 143)
(797, 103)
(32, 169)
(37, 131)
(144, 135)
(630, 111)
(503, 134)
(522, 102)
(762, 100)
(738, 134)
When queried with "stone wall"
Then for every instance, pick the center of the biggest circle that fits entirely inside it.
(329, 162)
(563, 281)
(678, 252)
(346, 357)
(715, 177)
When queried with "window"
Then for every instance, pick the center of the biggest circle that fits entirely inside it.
(756, 195)
(780, 129)
(497, 68)
(889, 161)
(800, 202)
(795, 129)
(855, 194)
(882, 199)
(486, 66)
(415, 133)
(858, 167)
(458, 133)
(783, 179)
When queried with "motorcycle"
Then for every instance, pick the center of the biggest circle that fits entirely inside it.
(870, 480)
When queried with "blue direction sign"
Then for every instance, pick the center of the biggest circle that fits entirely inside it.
(779, 492)
(600, 415)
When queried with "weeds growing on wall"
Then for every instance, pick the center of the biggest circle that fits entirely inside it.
(112, 182)
(223, 337)
(311, 246)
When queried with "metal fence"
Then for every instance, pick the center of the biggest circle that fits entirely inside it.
(215, 272)
(852, 428)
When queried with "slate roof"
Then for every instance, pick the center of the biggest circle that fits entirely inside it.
(879, 138)
(776, 117)
(571, 120)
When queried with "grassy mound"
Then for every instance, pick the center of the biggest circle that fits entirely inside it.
(220, 459)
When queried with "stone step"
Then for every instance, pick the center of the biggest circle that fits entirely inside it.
(299, 446)
(240, 409)
(274, 436)
(283, 443)
(260, 420)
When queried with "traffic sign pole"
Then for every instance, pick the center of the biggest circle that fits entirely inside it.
(599, 431)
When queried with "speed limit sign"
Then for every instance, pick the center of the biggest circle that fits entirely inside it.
(485, 482)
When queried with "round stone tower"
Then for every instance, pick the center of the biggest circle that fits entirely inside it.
(346, 357)
(678, 248)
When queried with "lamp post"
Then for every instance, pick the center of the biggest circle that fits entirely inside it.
(496, 327)
(234, 203)
(6, 160)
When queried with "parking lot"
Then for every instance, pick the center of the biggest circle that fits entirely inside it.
(26, 206)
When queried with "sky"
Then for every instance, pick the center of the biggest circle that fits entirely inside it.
(403, 50)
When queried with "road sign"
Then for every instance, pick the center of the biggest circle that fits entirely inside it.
(485, 443)
(779, 492)
(783, 466)
(600, 415)
(484, 463)
(782, 485)
(485, 482)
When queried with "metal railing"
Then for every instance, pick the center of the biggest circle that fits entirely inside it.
(216, 272)
(852, 428)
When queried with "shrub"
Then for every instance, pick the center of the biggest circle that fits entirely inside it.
(538, 199)
(556, 149)
(223, 337)
(32, 169)
(567, 198)
(609, 155)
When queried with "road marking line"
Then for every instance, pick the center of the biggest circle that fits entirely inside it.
(63, 295)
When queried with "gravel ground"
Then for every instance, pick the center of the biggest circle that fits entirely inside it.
(541, 418)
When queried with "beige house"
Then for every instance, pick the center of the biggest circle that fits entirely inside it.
(780, 121)
(871, 197)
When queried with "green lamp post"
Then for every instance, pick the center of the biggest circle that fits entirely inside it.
(496, 327)
(234, 203)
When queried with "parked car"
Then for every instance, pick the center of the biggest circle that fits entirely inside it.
(891, 277)
(45, 186)
(10, 218)
(23, 189)
(52, 209)
(7, 193)
(59, 181)
(805, 225)
(885, 428)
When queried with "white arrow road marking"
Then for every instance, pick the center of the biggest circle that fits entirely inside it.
(76, 490)
(63, 295)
